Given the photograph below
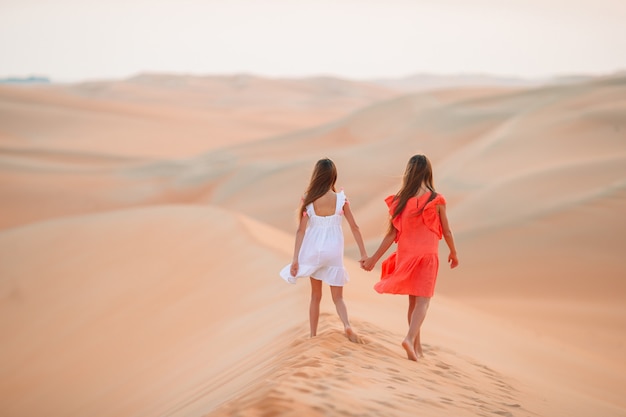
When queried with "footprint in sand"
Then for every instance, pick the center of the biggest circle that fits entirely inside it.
(313, 363)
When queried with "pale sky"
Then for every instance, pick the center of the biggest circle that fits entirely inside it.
(72, 40)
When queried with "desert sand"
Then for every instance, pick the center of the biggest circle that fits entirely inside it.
(144, 221)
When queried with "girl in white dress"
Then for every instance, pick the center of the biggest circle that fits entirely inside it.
(318, 251)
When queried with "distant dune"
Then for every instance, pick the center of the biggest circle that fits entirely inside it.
(424, 82)
(431, 82)
(165, 116)
(144, 222)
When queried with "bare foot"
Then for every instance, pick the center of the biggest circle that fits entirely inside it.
(352, 336)
(418, 350)
(410, 350)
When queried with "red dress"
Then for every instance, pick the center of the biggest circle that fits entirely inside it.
(412, 269)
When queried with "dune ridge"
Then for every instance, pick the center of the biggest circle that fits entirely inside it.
(329, 375)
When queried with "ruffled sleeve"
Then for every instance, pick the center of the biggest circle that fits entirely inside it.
(309, 210)
(397, 222)
(431, 216)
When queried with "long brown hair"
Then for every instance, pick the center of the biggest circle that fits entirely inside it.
(323, 179)
(418, 171)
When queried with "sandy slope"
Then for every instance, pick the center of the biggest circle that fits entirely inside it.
(152, 312)
(137, 282)
(131, 305)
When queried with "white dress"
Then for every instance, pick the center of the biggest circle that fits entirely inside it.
(321, 253)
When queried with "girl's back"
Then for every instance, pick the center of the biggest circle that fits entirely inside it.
(326, 204)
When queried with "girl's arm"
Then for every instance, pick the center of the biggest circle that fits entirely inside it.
(387, 241)
(304, 219)
(447, 235)
(356, 232)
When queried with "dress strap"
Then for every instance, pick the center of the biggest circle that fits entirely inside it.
(341, 200)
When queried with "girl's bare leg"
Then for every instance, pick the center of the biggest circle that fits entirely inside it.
(417, 346)
(412, 339)
(412, 300)
(314, 308)
(337, 293)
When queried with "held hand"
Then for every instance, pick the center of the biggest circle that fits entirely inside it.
(363, 259)
(294, 268)
(453, 260)
(368, 264)
(362, 262)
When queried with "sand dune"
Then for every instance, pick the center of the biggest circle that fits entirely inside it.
(330, 376)
(132, 300)
(235, 92)
(172, 116)
(54, 134)
(143, 223)
(432, 82)
(191, 330)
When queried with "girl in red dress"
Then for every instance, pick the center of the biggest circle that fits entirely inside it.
(417, 222)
